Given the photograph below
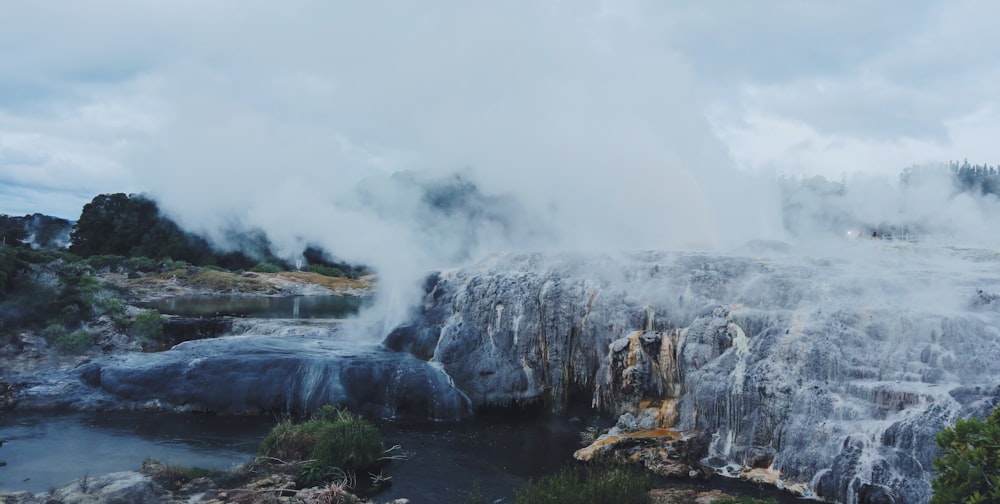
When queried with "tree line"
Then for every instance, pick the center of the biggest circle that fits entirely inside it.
(46, 283)
(132, 226)
(976, 178)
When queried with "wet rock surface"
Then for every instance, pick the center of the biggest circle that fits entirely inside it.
(827, 376)
(116, 488)
(252, 375)
(131, 487)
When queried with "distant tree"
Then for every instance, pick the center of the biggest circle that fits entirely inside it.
(47, 232)
(252, 246)
(968, 470)
(12, 231)
(133, 226)
(320, 261)
(979, 179)
(10, 265)
(106, 227)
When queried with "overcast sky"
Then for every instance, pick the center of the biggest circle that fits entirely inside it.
(213, 104)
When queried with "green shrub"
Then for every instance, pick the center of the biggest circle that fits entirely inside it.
(148, 325)
(173, 477)
(105, 262)
(54, 331)
(170, 265)
(114, 308)
(266, 267)
(745, 500)
(76, 342)
(593, 486)
(140, 264)
(968, 470)
(87, 286)
(69, 315)
(332, 443)
(330, 271)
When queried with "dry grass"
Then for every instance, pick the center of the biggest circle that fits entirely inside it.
(200, 279)
(333, 283)
(222, 281)
(194, 280)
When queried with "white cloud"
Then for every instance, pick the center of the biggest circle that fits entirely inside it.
(593, 114)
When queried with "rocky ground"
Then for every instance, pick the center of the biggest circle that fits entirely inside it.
(26, 352)
(260, 481)
(256, 483)
(199, 281)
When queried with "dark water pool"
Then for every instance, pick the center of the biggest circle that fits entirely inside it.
(447, 463)
(44, 451)
(261, 307)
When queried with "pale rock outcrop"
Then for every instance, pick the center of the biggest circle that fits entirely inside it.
(829, 377)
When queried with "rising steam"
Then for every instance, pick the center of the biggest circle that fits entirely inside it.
(412, 139)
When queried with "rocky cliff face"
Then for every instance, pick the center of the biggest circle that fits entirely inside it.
(828, 376)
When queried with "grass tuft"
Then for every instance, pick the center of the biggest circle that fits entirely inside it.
(597, 485)
(333, 443)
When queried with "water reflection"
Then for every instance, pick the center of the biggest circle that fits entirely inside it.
(43, 451)
(448, 461)
(261, 307)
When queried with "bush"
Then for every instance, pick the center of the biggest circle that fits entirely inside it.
(745, 500)
(173, 477)
(266, 267)
(76, 342)
(148, 325)
(114, 308)
(54, 331)
(69, 315)
(968, 470)
(170, 264)
(141, 265)
(332, 443)
(593, 486)
(104, 262)
(330, 271)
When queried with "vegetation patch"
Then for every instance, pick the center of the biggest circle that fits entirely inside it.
(76, 342)
(147, 326)
(333, 444)
(173, 477)
(213, 280)
(115, 308)
(968, 470)
(336, 284)
(745, 500)
(596, 485)
(266, 267)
